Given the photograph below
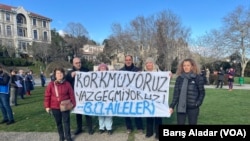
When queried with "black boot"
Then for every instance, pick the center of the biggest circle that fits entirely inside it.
(78, 131)
(61, 138)
(69, 139)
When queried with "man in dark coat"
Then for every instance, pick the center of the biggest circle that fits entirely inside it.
(71, 78)
(220, 81)
(129, 66)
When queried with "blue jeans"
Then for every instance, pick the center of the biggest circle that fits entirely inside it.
(5, 107)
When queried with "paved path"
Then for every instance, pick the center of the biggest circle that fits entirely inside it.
(235, 86)
(48, 136)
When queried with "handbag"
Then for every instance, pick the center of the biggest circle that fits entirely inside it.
(65, 105)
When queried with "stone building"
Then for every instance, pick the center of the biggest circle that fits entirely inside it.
(19, 28)
(90, 52)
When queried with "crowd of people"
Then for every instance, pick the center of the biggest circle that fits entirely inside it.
(188, 72)
(221, 76)
(188, 95)
(13, 84)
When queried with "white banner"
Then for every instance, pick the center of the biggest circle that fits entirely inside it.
(122, 93)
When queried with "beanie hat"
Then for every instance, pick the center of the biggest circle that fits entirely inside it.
(102, 65)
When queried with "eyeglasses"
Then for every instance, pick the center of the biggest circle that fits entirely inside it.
(128, 60)
(77, 62)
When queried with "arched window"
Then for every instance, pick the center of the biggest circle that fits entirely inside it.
(20, 19)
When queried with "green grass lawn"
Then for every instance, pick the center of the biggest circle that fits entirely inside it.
(246, 80)
(220, 107)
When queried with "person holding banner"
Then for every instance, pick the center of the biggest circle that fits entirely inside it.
(105, 121)
(152, 123)
(129, 66)
(77, 66)
(189, 92)
(55, 92)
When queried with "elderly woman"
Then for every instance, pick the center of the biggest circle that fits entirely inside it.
(152, 123)
(55, 92)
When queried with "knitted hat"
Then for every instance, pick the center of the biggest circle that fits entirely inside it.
(102, 65)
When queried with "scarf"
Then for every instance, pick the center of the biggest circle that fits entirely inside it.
(59, 81)
(182, 105)
(129, 68)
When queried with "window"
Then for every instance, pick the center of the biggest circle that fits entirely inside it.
(19, 19)
(34, 22)
(35, 34)
(9, 30)
(7, 16)
(22, 46)
(21, 32)
(45, 36)
(44, 23)
(9, 44)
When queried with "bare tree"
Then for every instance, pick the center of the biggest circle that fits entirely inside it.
(76, 36)
(159, 36)
(172, 38)
(143, 33)
(58, 48)
(237, 35)
(209, 47)
(41, 51)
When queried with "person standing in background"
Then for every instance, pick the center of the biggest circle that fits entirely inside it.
(52, 77)
(129, 66)
(220, 81)
(70, 77)
(29, 83)
(207, 76)
(22, 89)
(43, 79)
(13, 87)
(5, 107)
(231, 73)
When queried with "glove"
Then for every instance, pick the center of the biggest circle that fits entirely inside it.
(48, 110)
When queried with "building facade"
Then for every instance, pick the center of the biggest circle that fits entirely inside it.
(19, 28)
(90, 52)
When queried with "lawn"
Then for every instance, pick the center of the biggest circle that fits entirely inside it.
(220, 107)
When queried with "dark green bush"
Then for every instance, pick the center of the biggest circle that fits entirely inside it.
(15, 62)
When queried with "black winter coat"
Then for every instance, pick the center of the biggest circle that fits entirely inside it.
(133, 68)
(71, 79)
(195, 92)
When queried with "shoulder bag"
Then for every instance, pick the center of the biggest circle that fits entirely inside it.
(65, 105)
